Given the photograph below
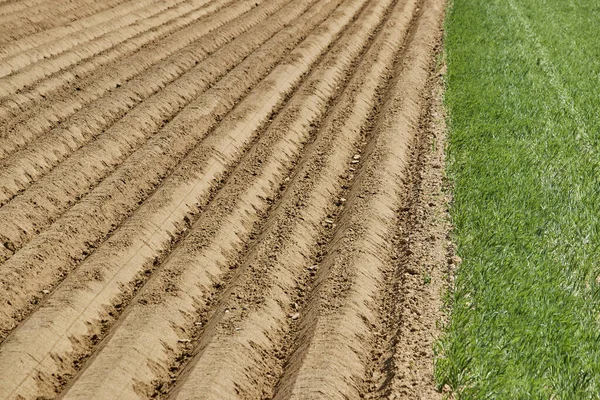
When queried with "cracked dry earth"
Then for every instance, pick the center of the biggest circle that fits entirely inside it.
(221, 199)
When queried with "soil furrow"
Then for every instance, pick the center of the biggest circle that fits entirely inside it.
(26, 51)
(16, 8)
(49, 16)
(70, 239)
(242, 349)
(40, 38)
(36, 208)
(336, 334)
(237, 206)
(424, 259)
(206, 164)
(224, 199)
(8, 7)
(52, 102)
(54, 87)
(48, 66)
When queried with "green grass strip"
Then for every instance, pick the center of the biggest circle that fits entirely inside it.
(523, 94)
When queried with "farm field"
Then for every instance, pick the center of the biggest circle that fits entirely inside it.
(221, 198)
(522, 98)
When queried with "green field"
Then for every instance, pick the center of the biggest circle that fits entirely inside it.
(523, 94)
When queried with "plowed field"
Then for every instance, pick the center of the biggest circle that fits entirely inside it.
(220, 198)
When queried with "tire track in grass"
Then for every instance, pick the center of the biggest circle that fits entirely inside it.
(336, 332)
(168, 208)
(544, 61)
(35, 209)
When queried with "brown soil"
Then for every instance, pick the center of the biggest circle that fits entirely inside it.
(221, 199)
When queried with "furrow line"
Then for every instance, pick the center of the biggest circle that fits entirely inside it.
(236, 208)
(242, 349)
(15, 6)
(50, 16)
(139, 240)
(412, 304)
(336, 333)
(50, 256)
(151, 100)
(35, 209)
(21, 53)
(48, 66)
(138, 361)
(52, 101)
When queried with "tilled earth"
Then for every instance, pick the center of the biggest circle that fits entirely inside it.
(221, 198)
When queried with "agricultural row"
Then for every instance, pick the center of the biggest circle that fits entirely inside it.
(219, 199)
